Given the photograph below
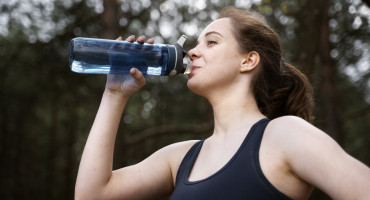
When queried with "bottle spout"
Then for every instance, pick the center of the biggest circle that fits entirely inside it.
(181, 41)
(179, 67)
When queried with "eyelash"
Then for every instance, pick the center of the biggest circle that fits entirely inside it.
(211, 42)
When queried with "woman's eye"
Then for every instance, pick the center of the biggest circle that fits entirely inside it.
(211, 43)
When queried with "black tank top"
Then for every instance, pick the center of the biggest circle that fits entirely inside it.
(240, 178)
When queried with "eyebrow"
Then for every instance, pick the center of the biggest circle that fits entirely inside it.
(210, 33)
(213, 32)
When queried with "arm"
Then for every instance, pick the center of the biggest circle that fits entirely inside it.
(95, 179)
(317, 159)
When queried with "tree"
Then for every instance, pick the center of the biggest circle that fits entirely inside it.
(46, 111)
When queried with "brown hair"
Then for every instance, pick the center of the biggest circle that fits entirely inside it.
(279, 88)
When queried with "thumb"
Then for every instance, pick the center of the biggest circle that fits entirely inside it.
(138, 76)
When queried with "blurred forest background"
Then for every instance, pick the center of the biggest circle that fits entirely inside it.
(46, 110)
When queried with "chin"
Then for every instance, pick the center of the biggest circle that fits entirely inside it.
(196, 88)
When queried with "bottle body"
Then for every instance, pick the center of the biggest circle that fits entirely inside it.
(99, 56)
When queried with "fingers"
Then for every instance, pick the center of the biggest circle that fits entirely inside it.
(140, 40)
(150, 41)
(138, 76)
(130, 38)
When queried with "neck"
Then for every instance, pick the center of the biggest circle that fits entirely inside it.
(234, 112)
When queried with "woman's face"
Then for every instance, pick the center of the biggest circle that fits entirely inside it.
(216, 58)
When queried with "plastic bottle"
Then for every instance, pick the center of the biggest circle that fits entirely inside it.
(100, 56)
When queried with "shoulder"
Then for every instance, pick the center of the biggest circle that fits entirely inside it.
(294, 135)
(295, 128)
(289, 121)
(175, 153)
(302, 147)
(317, 159)
(179, 147)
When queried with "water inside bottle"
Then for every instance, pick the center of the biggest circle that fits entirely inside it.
(81, 67)
(119, 58)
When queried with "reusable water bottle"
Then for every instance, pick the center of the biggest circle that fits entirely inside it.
(100, 56)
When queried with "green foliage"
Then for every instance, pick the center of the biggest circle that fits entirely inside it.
(46, 111)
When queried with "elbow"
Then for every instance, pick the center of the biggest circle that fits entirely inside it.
(87, 193)
(80, 195)
(83, 194)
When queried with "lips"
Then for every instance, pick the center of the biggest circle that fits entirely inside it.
(194, 68)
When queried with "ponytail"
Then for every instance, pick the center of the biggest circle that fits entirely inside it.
(287, 94)
(279, 88)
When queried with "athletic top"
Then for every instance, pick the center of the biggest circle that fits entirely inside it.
(240, 178)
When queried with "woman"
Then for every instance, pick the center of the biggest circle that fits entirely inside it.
(262, 147)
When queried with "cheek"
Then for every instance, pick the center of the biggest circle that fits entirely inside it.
(222, 67)
(225, 64)
(226, 54)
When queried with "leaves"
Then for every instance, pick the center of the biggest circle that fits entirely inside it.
(46, 111)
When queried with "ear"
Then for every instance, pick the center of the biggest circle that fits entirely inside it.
(250, 61)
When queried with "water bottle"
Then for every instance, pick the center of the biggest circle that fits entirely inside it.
(100, 56)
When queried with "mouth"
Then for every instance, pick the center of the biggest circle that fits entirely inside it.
(193, 69)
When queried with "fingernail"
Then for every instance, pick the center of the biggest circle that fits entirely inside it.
(132, 71)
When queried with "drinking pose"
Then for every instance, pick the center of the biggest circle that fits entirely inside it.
(262, 147)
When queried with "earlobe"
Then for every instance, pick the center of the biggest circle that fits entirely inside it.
(250, 61)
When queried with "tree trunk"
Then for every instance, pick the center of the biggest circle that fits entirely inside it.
(69, 175)
(327, 85)
(110, 19)
(52, 152)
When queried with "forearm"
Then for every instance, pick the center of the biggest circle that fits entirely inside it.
(96, 163)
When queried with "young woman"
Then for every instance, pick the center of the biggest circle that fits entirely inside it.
(262, 147)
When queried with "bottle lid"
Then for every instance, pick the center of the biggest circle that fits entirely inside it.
(179, 68)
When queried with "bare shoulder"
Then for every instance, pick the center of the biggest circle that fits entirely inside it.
(290, 123)
(180, 146)
(316, 158)
(294, 129)
(175, 153)
(296, 137)
(177, 150)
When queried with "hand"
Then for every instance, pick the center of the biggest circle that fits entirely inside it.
(126, 85)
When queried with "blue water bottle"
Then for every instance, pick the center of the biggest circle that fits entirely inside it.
(100, 56)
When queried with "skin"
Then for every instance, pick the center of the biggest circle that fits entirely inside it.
(294, 155)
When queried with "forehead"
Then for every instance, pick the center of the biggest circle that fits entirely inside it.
(222, 26)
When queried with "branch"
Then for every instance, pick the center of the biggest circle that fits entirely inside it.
(357, 113)
(165, 129)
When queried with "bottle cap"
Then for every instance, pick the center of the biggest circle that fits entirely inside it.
(179, 68)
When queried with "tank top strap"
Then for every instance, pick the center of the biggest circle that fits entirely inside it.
(254, 147)
(188, 161)
(256, 135)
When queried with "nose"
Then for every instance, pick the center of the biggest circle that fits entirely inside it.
(193, 53)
